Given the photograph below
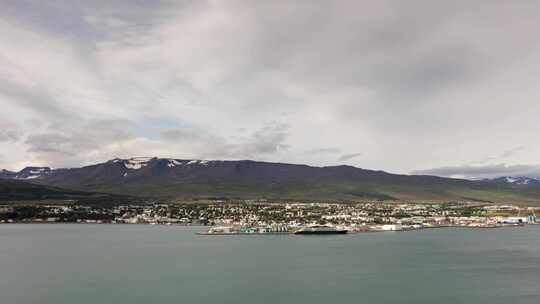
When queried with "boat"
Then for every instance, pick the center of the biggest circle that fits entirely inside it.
(320, 230)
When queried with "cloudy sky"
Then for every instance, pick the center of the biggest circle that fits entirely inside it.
(441, 87)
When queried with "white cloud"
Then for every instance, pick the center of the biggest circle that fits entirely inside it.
(411, 85)
(484, 171)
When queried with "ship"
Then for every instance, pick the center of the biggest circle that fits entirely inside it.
(320, 230)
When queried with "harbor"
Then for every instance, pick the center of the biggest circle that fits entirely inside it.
(333, 230)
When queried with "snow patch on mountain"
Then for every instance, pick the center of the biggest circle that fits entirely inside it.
(141, 159)
(198, 162)
(511, 180)
(33, 172)
(174, 163)
(518, 180)
(136, 163)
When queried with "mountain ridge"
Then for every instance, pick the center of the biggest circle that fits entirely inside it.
(170, 177)
(516, 180)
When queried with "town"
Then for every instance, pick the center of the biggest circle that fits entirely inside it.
(261, 216)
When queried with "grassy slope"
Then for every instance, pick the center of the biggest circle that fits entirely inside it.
(13, 190)
(330, 190)
(17, 190)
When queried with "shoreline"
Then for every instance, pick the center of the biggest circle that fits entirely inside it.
(365, 231)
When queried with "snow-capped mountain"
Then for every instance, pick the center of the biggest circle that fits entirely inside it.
(172, 177)
(521, 180)
(136, 163)
(7, 174)
(33, 172)
(26, 173)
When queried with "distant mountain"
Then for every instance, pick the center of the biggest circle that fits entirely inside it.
(518, 181)
(7, 174)
(33, 172)
(26, 173)
(147, 176)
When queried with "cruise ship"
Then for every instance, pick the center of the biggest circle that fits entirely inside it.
(320, 230)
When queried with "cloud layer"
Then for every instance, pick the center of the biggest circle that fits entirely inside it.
(412, 85)
(486, 171)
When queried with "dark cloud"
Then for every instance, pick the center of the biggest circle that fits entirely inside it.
(81, 143)
(34, 98)
(268, 140)
(50, 143)
(512, 152)
(349, 156)
(85, 24)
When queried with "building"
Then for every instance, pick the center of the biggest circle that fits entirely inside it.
(392, 227)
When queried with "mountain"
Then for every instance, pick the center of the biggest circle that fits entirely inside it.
(26, 173)
(516, 181)
(16, 190)
(33, 172)
(7, 174)
(146, 176)
(19, 190)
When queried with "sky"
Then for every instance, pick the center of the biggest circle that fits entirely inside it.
(449, 88)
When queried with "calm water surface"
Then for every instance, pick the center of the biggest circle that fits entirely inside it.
(167, 264)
